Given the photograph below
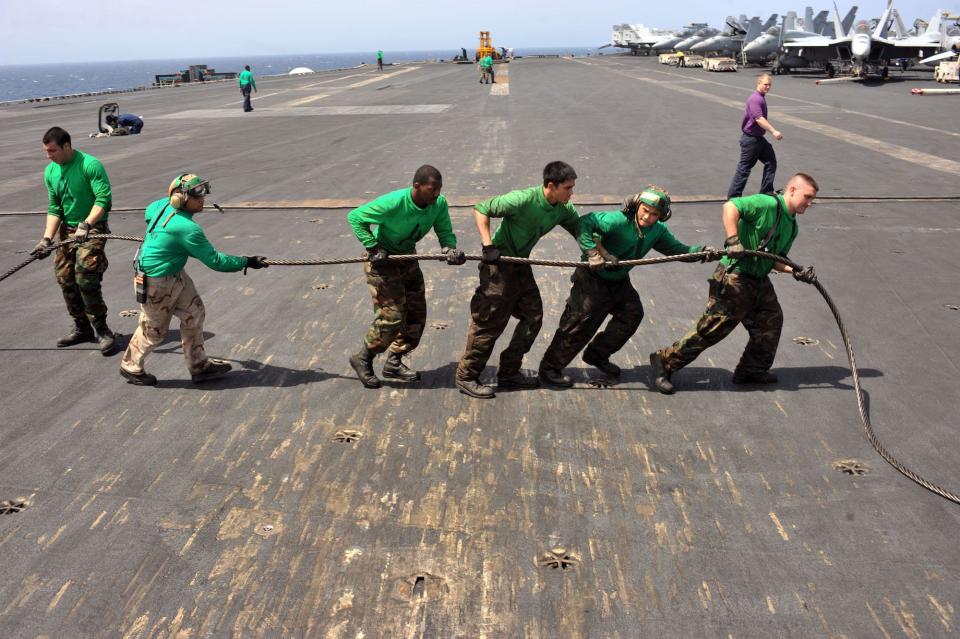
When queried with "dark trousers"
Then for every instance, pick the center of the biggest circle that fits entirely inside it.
(734, 299)
(753, 148)
(245, 90)
(505, 291)
(591, 300)
(136, 128)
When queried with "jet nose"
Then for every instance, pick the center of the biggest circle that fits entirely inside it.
(860, 47)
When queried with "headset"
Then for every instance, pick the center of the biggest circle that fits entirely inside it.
(178, 194)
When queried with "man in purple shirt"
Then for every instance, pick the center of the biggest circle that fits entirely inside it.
(753, 146)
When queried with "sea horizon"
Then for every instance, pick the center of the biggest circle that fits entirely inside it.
(49, 79)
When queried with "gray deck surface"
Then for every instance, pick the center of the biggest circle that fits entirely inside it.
(715, 512)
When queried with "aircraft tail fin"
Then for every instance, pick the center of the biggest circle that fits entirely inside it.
(820, 21)
(837, 25)
(754, 29)
(882, 24)
(936, 26)
(848, 19)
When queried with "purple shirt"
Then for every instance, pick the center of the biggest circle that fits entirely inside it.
(756, 108)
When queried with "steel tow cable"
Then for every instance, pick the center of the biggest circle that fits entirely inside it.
(687, 257)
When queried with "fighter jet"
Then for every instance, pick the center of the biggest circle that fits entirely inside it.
(699, 36)
(668, 44)
(731, 41)
(768, 45)
(865, 48)
(637, 38)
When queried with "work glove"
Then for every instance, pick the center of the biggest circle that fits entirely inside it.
(490, 254)
(595, 261)
(43, 248)
(806, 275)
(80, 236)
(734, 247)
(611, 261)
(377, 256)
(712, 254)
(255, 261)
(455, 257)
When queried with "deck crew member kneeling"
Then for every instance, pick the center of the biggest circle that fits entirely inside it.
(172, 237)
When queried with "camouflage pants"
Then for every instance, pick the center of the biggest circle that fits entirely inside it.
(399, 306)
(166, 297)
(505, 291)
(734, 299)
(79, 270)
(591, 299)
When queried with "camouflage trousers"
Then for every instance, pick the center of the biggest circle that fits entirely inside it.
(399, 306)
(505, 291)
(734, 299)
(166, 297)
(79, 271)
(591, 299)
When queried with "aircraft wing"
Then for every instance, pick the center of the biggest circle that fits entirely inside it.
(940, 57)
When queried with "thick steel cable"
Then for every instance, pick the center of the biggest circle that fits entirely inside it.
(688, 257)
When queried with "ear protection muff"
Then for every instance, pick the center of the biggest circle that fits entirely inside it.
(183, 186)
(177, 197)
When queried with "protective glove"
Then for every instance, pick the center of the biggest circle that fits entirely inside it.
(455, 257)
(43, 248)
(80, 236)
(733, 247)
(712, 253)
(490, 254)
(377, 256)
(255, 261)
(611, 261)
(806, 275)
(595, 261)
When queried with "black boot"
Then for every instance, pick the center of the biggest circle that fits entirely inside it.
(554, 377)
(394, 368)
(602, 363)
(82, 332)
(474, 388)
(362, 363)
(660, 375)
(107, 342)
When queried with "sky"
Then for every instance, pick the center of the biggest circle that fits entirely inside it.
(47, 31)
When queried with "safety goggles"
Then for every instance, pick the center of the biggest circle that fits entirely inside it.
(199, 190)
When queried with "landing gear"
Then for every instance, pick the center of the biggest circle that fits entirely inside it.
(831, 72)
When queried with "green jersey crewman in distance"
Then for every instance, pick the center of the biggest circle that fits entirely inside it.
(603, 289)
(78, 192)
(172, 238)
(510, 290)
(402, 218)
(379, 60)
(741, 290)
(486, 70)
(246, 83)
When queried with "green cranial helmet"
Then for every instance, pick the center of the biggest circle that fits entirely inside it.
(654, 196)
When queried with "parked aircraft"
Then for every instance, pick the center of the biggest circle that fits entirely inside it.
(637, 38)
(731, 41)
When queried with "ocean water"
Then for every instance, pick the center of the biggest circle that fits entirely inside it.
(21, 82)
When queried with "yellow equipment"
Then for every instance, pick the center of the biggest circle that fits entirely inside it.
(486, 47)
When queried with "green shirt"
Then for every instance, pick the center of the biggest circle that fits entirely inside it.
(166, 248)
(379, 55)
(486, 61)
(245, 78)
(621, 237)
(527, 216)
(757, 216)
(73, 189)
(401, 223)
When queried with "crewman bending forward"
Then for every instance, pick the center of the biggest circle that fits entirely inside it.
(172, 237)
(402, 218)
(606, 237)
(741, 290)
